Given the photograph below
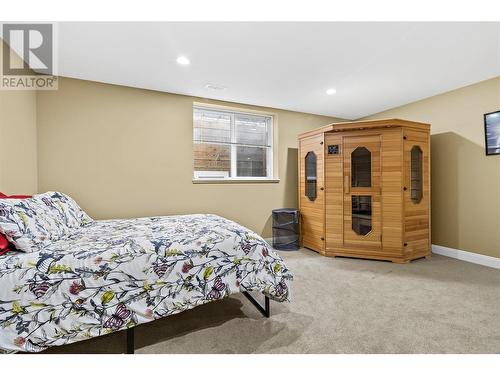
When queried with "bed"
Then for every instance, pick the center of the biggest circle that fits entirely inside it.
(107, 275)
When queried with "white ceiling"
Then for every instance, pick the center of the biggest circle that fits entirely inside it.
(373, 66)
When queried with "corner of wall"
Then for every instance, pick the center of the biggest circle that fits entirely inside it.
(465, 182)
(18, 164)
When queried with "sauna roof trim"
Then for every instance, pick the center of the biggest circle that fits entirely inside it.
(365, 124)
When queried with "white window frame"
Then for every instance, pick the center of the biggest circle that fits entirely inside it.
(271, 160)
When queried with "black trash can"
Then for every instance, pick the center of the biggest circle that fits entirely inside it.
(286, 229)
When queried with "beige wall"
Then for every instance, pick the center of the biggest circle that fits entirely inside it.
(18, 157)
(465, 182)
(125, 152)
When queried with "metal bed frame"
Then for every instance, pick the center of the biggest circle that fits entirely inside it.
(264, 310)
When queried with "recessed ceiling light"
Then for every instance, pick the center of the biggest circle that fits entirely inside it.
(182, 60)
(331, 91)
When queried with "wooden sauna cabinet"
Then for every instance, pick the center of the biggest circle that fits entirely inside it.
(364, 190)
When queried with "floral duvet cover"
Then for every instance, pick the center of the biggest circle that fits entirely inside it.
(114, 274)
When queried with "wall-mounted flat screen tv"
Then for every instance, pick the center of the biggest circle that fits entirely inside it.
(492, 132)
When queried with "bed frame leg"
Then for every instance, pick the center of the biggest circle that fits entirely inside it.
(264, 310)
(130, 341)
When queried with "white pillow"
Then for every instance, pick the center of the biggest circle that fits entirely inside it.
(28, 224)
(31, 224)
(64, 209)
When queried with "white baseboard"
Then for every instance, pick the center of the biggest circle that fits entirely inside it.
(467, 256)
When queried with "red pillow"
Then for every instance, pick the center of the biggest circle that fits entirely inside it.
(2, 252)
(4, 243)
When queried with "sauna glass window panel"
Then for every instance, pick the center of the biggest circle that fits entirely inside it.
(361, 167)
(361, 214)
(311, 175)
(232, 145)
(416, 175)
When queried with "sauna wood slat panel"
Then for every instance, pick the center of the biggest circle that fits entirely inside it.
(334, 188)
(392, 176)
(312, 212)
(416, 215)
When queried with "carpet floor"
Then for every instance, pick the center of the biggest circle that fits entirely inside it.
(339, 305)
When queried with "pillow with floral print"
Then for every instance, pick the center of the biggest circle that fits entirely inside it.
(64, 209)
(28, 224)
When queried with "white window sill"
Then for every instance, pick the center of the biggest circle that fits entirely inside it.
(235, 181)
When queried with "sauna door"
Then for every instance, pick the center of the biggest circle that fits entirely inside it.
(311, 193)
(362, 216)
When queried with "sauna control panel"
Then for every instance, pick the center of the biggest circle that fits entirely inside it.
(333, 149)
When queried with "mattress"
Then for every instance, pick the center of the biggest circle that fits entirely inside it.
(112, 275)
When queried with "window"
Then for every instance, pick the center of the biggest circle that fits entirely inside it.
(362, 214)
(361, 165)
(311, 175)
(231, 145)
(416, 186)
